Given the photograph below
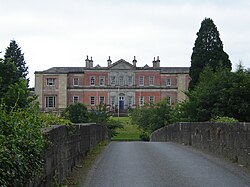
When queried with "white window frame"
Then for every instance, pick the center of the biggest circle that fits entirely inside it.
(141, 81)
(101, 80)
(141, 101)
(92, 81)
(112, 101)
(130, 101)
(75, 81)
(101, 100)
(92, 100)
(169, 100)
(130, 80)
(168, 82)
(75, 100)
(50, 102)
(151, 80)
(50, 81)
(152, 100)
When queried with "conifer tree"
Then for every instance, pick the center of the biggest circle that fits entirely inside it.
(14, 54)
(14, 91)
(207, 51)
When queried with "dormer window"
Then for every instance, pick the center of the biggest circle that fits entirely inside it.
(50, 81)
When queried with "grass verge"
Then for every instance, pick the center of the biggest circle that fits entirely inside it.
(129, 132)
(79, 173)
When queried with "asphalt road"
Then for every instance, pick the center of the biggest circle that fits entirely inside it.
(156, 164)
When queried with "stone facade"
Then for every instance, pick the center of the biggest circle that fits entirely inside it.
(120, 85)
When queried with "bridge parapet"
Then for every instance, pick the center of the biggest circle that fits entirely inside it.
(65, 149)
(230, 140)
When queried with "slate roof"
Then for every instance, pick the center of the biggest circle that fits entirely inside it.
(63, 70)
(174, 69)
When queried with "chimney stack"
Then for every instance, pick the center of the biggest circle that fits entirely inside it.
(154, 63)
(134, 62)
(87, 62)
(158, 62)
(109, 62)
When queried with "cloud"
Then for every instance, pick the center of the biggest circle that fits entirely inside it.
(63, 32)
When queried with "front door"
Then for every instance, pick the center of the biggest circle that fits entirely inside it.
(121, 103)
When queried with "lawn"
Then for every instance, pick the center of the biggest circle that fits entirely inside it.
(129, 132)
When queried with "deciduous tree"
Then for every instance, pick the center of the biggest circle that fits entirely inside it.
(150, 118)
(76, 113)
(220, 93)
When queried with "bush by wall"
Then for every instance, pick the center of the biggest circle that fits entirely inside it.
(21, 146)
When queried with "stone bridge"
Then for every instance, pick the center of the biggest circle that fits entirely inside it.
(229, 140)
(182, 154)
(66, 147)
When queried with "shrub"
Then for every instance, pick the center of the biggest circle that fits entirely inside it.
(144, 136)
(149, 118)
(50, 119)
(76, 113)
(223, 119)
(113, 125)
(101, 116)
(21, 146)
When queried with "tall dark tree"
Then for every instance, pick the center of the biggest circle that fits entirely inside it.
(14, 54)
(7, 76)
(207, 51)
(14, 91)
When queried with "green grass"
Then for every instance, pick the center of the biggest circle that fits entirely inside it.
(129, 132)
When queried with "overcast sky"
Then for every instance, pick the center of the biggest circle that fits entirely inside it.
(54, 33)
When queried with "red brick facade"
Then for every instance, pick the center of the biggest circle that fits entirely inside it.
(120, 85)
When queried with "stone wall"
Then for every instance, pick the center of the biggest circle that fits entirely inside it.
(65, 148)
(230, 140)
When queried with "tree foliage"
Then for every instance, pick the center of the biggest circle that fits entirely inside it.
(208, 50)
(76, 113)
(14, 91)
(14, 54)
(21, 147)
(100, 115)
(220, 93)
(150, 118)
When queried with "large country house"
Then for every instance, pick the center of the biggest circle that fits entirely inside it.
(121, 85)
